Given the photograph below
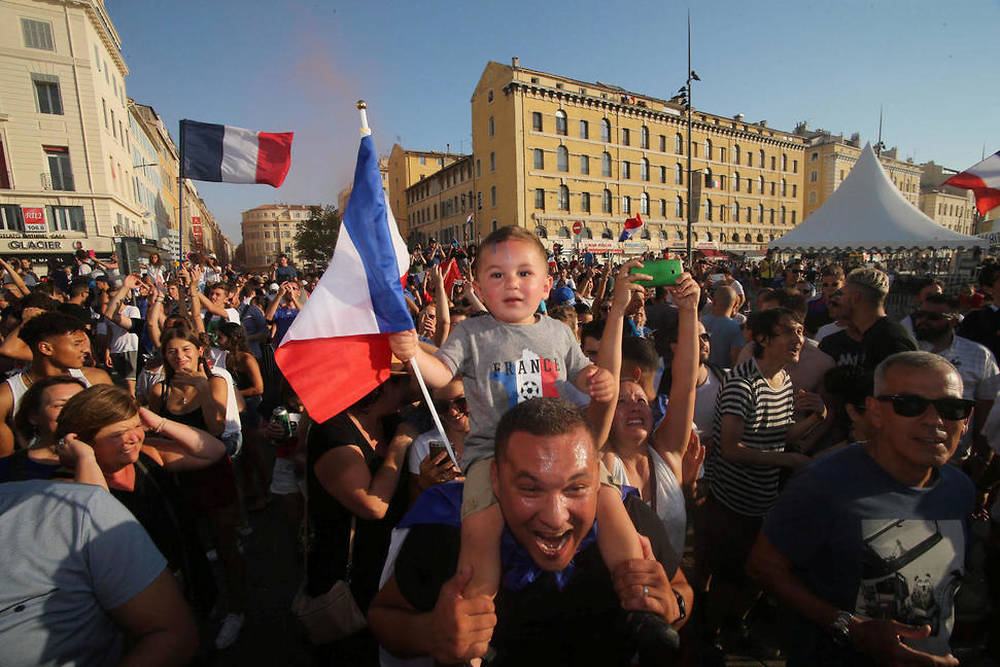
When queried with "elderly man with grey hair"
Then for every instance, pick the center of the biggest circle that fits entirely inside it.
(867, 545)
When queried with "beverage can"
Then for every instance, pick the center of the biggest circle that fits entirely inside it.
(280, 416)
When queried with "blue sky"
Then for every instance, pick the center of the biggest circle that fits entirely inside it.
(301, 64)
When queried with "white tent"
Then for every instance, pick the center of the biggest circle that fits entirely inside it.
(868, 212)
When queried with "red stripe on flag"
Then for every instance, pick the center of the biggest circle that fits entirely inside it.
(274, 157)
(451, 275)
(987, 198)
(332, 374)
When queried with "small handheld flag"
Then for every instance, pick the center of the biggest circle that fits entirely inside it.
(228, 154)
(631, 226)
(983, 179)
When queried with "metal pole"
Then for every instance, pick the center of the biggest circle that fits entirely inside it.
(690, 212)
(180, 203)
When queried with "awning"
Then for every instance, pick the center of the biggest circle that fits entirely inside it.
(709, 252)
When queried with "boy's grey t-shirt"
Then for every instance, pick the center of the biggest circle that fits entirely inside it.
(502, 365)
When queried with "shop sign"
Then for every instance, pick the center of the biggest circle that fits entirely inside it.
(34, 244)
(34, 220)
(601, 245)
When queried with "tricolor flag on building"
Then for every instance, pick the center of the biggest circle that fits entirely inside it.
(984, 181)
(211, 152)
(632, 225)
(337, 348)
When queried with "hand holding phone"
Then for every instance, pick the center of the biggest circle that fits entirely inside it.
(663, 272)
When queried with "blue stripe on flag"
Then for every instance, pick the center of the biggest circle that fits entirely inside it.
(201, 146)
(368, 226)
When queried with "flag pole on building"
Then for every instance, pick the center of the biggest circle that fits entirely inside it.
(366, 131)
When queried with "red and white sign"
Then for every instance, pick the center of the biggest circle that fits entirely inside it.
(196, 230)
(34, 220)
(577, 227)
(601, 245)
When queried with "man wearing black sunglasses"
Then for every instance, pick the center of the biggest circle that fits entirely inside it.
(934, 325)
(867, 545)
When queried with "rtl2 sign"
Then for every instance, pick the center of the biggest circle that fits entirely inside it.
(34, 219)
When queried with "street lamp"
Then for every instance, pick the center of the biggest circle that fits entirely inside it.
(683, 97)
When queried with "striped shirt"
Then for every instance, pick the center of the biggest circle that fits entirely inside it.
(766, 413)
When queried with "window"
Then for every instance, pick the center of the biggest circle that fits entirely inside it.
(812, 197)
(11, 219)
(794, 212)
(773, 163)
(760, 154)
(795, 189)
(489, 95)
(493, 195)
(709, 179)
(783, 213)
(536, 121)
(626, 204)
(663, 174)
(605, 130)
(562, 158)
(736, 181)
(708, 209)
(493, 161)
(644, 137)
(770, 216)
(644, 169)
(606, 164)
(663, 208)
(539, 158)
(625, 136)
(814, 156)
(540, 199)
(679, 174)
(490, 127)
(736, 154)
(606, 201)
(59, 169)
(37, 34)
(561, 122)
(784, 188)
(773, 187)
(626, 169)
(736, 211)
(585, 202)
(760, 184)
(644, 204)
(679, 207)
(813, 176)
(585, 165)
(784, 162)
(663, 143)
(422, 159)
(4, 174)
(722, 153)
(47, 93)
(479, 168)
(104, 105)
(795, 166)
(67, 218)
(708, 149)
(749, 159)
(760, 213)
(679, 144)
(563, 198)
(584, 130)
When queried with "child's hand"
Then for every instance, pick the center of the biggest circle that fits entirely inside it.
(600, 384)
(403, 344)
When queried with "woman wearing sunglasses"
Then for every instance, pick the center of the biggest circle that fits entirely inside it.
(430, 466)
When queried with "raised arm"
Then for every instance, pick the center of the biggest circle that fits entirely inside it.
(112, 309)
(442, 325)
(180, 446)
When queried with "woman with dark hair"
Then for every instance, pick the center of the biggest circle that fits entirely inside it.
(353, 471)
(191, 393)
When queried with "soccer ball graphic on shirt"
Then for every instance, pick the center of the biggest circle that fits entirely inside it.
(530, 376)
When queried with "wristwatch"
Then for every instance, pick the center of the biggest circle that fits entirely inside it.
(840, 629)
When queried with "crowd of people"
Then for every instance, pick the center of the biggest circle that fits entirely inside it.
(623, 475)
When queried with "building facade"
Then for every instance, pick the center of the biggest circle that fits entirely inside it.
(269, 230)
(442, 206)
(403, 169)
(954, 208)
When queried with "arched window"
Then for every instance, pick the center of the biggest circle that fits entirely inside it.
(679, 207)
(606, 164)
(644, 169)
(746, 238)
(736, 181)
(606, 201)
(784, 188)
(644, 204)
(722, 212)
(708, 209)
(662, 235)
(626, 205)
(605, 130)
(563, 198)
(561, 122)
(644, 234)
(694, 237)
(679, 143)
(736, 153)
(736, 238)
(564, 232)
(760, 184)
(708, 236)
(541, 232)
(760, 213)
(680, 235)
(784, 163)
(562, 158)
(679, 174)
(644, 137)
(587, 234)
(736, 212)
(760, 238)
(760, 154)
(606, 234)
(708, 149)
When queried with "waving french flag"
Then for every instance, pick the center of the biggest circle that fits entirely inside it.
(228, 154)
(983, 179)
(337, 348)
(632, 225)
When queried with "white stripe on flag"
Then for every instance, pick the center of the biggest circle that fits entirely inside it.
(239, 155)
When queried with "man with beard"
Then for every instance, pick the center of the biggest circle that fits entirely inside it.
(863, 303)
(934, 325)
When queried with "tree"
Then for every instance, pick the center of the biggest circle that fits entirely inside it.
(316, 237)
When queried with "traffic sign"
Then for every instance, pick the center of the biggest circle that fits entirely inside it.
(577, 227)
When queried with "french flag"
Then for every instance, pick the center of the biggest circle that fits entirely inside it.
(631, 226)
(984, 181)
(228, 154)
(337, 348)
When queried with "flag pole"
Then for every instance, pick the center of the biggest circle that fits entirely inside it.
(365, 132)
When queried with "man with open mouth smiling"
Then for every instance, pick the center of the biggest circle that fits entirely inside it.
(558, 604)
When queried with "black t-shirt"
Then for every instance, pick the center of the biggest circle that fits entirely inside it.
(983, 326)
(884, 338)
(330, 522)
(843, 349)
(583, 624)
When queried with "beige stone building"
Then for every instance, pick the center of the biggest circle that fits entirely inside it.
(269, 230)
(403, 169)
(829, 158)
(954, 208)
(441, 206)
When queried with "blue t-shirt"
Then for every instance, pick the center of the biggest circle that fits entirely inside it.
(282, 320)
(866, 543)
(726, 334)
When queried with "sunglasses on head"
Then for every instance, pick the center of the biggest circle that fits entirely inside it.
(705, 336)
(445, 404)
(911, 405)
